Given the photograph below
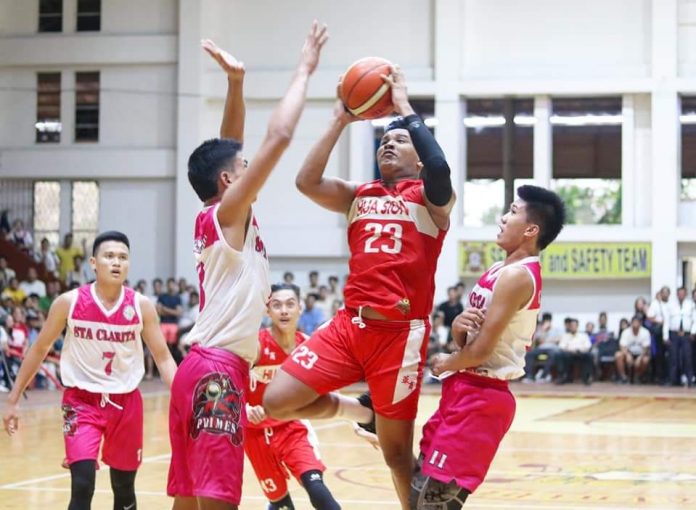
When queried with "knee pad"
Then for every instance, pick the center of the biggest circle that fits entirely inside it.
(318, 492)
(430, 494)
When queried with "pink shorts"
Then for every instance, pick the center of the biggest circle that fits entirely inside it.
(273, 451)
(206, 420)
(461, 439)
(118, 418)
(170, 332)
(389, 355)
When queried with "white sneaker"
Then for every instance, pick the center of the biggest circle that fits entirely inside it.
(4, 389)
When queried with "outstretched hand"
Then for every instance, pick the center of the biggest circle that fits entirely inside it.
(10, 418)
(233, 67)
(313, 44)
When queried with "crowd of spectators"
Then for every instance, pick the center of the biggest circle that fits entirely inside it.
(654, 345)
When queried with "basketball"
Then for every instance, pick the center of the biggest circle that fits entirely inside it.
(365, 94)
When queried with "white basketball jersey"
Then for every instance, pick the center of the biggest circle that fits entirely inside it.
(234, 287)
(102, 350)
(507, 360)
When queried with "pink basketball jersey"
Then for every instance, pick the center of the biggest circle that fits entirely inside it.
(507, 360)
(103, 351)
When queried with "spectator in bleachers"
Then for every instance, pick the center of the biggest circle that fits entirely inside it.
(574, 350)
(334, 291)
(169, 309)
(452, 307)
(21, 237)
(288, 278)
(187, 320)
(141, 286)
(18, 341)
(156, 290)
(658, 314)
(4, 337)
(313, 286)
(589, 329)
(76, 275)
(323, 303)
(52, 292)
(543, 352)
(47, 257)
(461, 291)
(66, 255)
(32, 285)
(311, 317)
(604, 345)
(6, 273)
(184, 292)
(640, 309)
(14, 292)
(633, 356)
(623, 324)
(681, 329)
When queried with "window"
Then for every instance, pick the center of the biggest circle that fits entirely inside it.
(85, 211)
(688, 146)
(50, 15)
(48, 125)
(587, 158)
(489, 144)
(88, 15)
(87, 107)
(47, 212)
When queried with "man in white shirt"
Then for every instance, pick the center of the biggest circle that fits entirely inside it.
(575, 348)
(32, 285)
(657, 312)
(681, 329)
(634, 351)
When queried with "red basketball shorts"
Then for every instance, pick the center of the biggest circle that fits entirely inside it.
(206, 420)
(461, 439)
(273, 451)
(389, 355)
(118, 418)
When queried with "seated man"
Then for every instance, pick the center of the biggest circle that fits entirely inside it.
(633, 356)
(575, 348)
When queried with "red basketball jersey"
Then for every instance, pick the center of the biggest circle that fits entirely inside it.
(394, 245)
(271, 356)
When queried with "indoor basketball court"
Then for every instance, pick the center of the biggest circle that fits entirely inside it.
(600, 449)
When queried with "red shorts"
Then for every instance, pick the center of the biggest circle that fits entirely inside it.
(170, 332)
(118, 418)
(206, 421)
(461, 439)
(273, 451)
(389, 355)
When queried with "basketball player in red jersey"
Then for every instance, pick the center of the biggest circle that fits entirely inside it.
(276, 447)
(494, 333)
(396, 226)
(207, 407)
(101, 366)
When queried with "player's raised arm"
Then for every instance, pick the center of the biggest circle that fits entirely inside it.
(154, 339)
(513, 290)
(332, 193)
(51, 330)
(437, 185)
(235, 111)
(281, 127)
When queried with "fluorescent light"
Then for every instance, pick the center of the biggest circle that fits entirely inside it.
(49, 126)
(586, 120)
(688, 118)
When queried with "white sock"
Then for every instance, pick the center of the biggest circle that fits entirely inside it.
(350, 409)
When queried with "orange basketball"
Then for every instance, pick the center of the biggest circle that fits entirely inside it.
(365, 94)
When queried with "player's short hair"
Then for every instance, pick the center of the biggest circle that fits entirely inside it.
(286, 286)
(546, 209)
(397, 123)
(110, 235)
(206, 163)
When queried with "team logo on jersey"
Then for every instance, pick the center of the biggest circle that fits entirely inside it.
(217, 408)
(69, 420)
(129, 313)
(199, 244)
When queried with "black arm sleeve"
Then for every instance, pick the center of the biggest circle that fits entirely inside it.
(436, 171)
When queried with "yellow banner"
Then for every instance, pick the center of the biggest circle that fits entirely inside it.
(568, 260)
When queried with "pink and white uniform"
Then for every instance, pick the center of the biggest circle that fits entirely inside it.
(476, 409)
(207, 407)
(101, 365)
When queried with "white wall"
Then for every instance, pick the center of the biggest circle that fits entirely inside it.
(139, 17)
(18, 17)
(144, 210)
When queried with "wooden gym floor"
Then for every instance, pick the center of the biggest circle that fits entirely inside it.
(570, 448)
